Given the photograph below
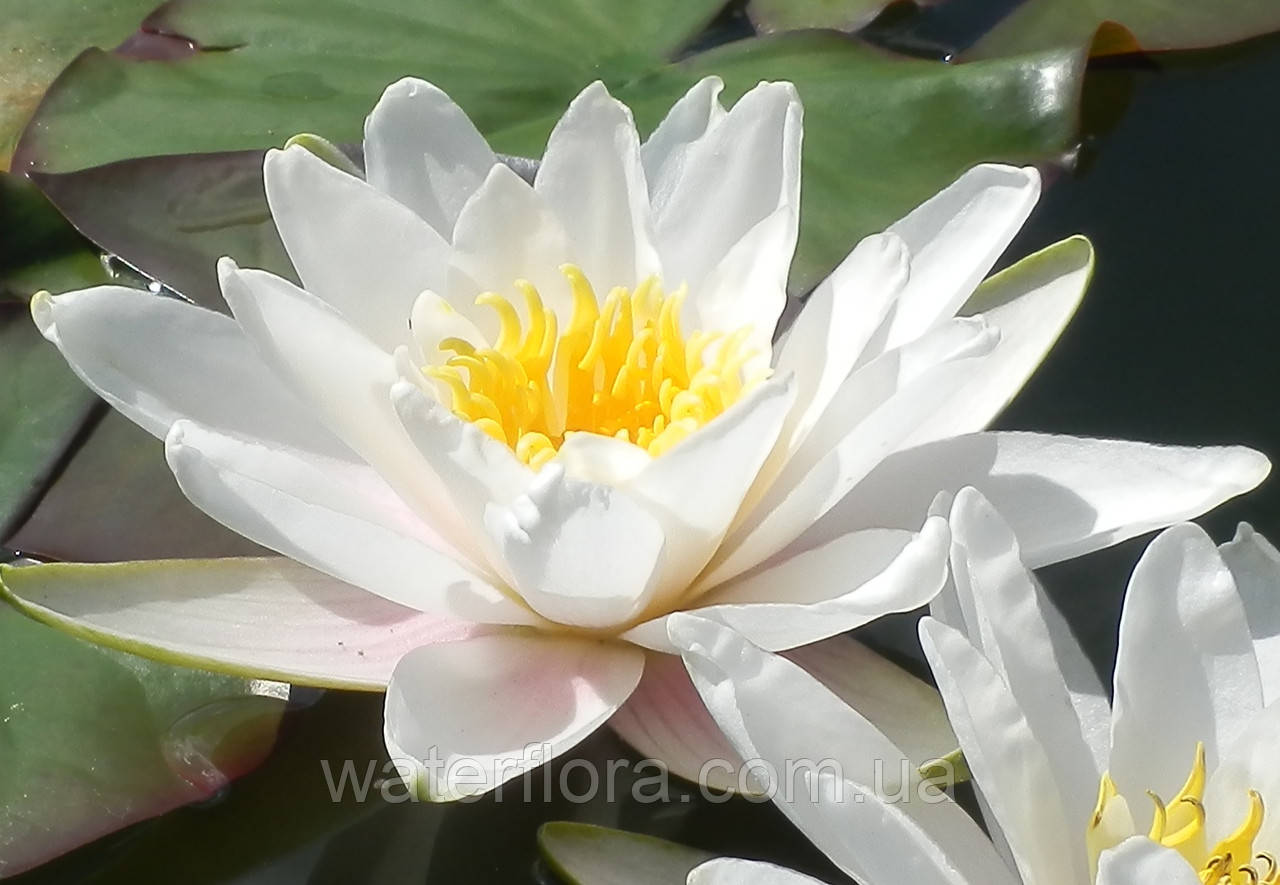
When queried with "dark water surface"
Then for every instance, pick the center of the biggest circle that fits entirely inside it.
(1175, 343)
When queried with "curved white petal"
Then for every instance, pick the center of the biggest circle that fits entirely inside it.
(578, 553)
(907, 709)
(1064, 496)
(835, 775)
(300, 507)
(592, 179)
(1185, 668)
(262, 618)
(742, 170)
(665, 719)
(1255, 565)
(423, 150)
(735, 871)
(344, 377)
(160, 359)
(834, 588)
(954, 238)
(607, 460)
(1008, 619)
(507, 232)
(1139, 861)
(1008, 763)
(356, 249)
(875, 409)
(431, 320)
(664, 153)
(835, 324)
(1030, 304)
(476, 713)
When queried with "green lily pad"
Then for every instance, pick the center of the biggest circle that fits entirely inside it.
(42, 407)
(1123, 26)
(269, 69)
(95, 740)
(585, 854)
(37, 43)
(883, 133)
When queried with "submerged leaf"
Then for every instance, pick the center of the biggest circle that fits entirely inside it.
(584, 854)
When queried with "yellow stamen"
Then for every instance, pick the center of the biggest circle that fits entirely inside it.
(1180, 825)
(622, 368)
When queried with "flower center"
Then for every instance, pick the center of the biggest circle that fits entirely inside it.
(622, 368)
(1180, 824)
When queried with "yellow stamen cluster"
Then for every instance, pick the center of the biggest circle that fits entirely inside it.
(622, 368)
(1180, 824)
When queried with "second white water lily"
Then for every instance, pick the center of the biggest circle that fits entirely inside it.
(504, 430)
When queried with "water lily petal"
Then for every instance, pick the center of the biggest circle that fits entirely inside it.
(300, 508)
(907, 709)
(476, 713)
(423, 150)
(954, 238)
(665, 719)
(874, 410)
(592, 179)
(1011, 622)
(507, 232)
(1185, 669)
(160, 359)
(838, 778)
(608, 460)
(744, 169)
(344, 377)
(1064, 496)
(355, 248)
(664, 153)
(1030, 304)
(260, 618)
(735, 871)
(1139, 861)
(1255, 565)
(1010, 765)
(834, 588)
(562, 535)
(837, 321)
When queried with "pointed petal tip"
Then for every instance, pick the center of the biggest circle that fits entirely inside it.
(41, 308)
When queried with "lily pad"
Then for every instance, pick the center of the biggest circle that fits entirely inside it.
(42, 407)
(1124, 26)
(883, 133)
(268, 69)
(37, 43)
(585, 854)
(95, 740)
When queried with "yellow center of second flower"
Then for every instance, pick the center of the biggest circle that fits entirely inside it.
(623, 368)
(1180, 824)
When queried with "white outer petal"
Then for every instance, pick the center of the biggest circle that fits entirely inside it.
(954, 239)
(468, 716)
(1064, 496)
(421, 149)
(1139, 861)
(1185, 669)
(263, 618)
(735, 871)
(1255, 565)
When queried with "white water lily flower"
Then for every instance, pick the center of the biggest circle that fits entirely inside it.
(504, 430)
(1177, 785)
(1174, 783)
